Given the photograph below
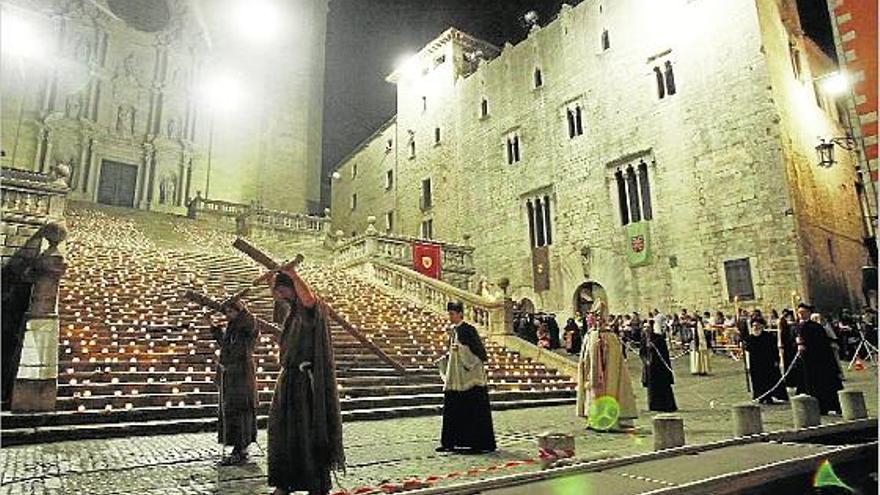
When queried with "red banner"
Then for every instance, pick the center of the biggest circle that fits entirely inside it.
(426, 259)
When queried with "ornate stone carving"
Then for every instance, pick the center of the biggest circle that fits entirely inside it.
(73, 106)
(173, 130)
(125, 118)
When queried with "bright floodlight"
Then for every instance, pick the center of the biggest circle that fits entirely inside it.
(222, 92)
(406, 63)
(836, 84)
(336, 176)
(19, 38)
(257, 20)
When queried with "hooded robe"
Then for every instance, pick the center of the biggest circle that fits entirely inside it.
(237, 381)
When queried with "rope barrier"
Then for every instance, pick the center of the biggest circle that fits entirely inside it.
(781, 380)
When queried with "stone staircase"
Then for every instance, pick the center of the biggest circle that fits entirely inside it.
(134, 357)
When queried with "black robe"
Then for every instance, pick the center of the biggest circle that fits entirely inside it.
(237, 381)
(820, 369)
(764, 367)
(656, 377)
(553, 330)
(467, 415)
(787, 334)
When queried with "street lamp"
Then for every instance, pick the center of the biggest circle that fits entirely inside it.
(222, 92)
(825, 149)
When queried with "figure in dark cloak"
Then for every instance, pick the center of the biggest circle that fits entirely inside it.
(467, 415)
(305, 423)
(820, 371)
(237, 380)
(787, 345)
(764, 364)
(656, 371)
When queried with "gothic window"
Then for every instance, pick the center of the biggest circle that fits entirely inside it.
(538, 78)
(428, 229)
(389, 180)
(632, 189)
(738, 274)
(436, 135)
(621, 197)
(574, 117)
(634, 193)
(661, 88)
(513, 155)
(645, 190)
(795, 55)
(538, 211)
(670, 78)
(530, 211)
(606, 40)
(354, 201)
(389, 221)
(484, 108)
(426, 199)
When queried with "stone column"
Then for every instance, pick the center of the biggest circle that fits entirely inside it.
(36, 384)
(805, 409)
(747, 419)
(668, 431)
(853, 404)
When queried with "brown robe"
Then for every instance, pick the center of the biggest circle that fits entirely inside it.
(237, 381)
(305, 423)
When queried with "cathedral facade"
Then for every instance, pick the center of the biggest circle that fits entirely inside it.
(118, 93)
(648, 154)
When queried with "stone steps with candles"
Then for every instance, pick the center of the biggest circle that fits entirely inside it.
(132, 351)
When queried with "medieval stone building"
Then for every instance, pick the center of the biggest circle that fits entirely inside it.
(651, 154)
(117, 92)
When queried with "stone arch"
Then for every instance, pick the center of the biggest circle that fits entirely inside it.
(587, 296)
(526, 305)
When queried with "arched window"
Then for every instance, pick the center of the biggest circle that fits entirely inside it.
(661, 89)
(633, 192)
(621, 197)
(645, 187)
(539, 223)
(547, 220)
(670, 78)
(530, 210)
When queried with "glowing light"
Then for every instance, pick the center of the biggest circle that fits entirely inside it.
(222, 92)
(835, 84)
(407, 63)
(257, 20)
(604, 413)
(19, 39)
(825, 477)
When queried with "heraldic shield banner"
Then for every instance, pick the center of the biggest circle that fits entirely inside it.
(638, 244)
(426, 259)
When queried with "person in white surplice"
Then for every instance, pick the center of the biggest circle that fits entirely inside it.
(602, 372)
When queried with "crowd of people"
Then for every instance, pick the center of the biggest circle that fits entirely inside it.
(797, 350)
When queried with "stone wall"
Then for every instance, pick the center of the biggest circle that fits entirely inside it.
(726, 157)
(106, 87)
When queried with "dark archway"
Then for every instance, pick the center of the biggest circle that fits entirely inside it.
(526, 306)
(587, 296)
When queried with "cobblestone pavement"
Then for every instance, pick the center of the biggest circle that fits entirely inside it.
(379, 451)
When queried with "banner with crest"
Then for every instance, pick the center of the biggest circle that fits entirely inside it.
(638, 244)
(426, 259)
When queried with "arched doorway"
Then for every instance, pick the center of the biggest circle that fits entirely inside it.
(587, 296)
(526, 306)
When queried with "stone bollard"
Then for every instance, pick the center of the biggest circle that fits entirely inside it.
(853, 404)
(806, 411)
(747, 419)
(668, 431)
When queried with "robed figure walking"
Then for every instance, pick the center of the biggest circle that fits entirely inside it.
(700, 354)
(656, 371)
(467, 416)
(764, 364)
(305, 423)
(787, 343)
(602, 372)
(820, 372)
(237, 380)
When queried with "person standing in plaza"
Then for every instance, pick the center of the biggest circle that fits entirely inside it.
(657, 371)
(237, 380)
(763, 363)
(305, 423)
(700, 352)
(602, 372)
(467, 416)
(787, 345)
(820, 378)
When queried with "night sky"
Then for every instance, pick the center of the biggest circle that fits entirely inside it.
(365, 38)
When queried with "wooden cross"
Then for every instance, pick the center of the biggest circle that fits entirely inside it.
(218, 306)
(262, 258)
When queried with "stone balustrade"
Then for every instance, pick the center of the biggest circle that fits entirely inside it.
(490, 317)
(247, 217)
(456, 260)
